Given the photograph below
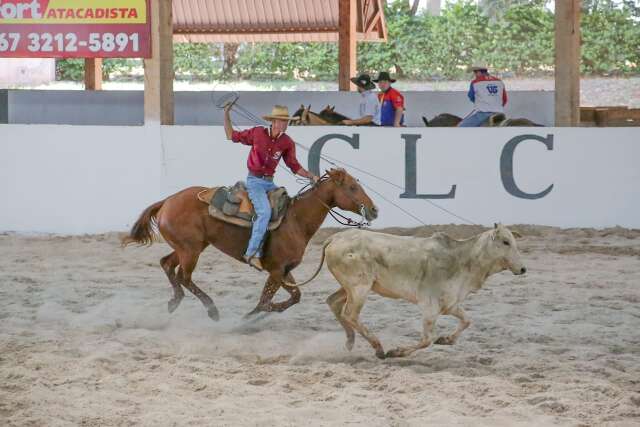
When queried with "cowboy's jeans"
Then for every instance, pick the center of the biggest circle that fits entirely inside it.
(258, 189)
(475, 120)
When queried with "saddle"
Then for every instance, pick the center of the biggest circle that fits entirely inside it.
(232, 205)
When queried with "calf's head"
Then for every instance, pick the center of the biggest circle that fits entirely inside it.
(503, 248)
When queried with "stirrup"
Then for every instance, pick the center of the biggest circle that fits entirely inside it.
(253, 262)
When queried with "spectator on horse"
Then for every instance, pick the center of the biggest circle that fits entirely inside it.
(369, 114)
(391, 102)
(488, 95)
(268, 146)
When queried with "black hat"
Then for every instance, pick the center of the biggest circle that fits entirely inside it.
(383, 75)
(363, 81)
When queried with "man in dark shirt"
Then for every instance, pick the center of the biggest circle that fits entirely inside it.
(268, 146)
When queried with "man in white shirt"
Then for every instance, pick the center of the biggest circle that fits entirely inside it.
(488, 95)
(369, 104)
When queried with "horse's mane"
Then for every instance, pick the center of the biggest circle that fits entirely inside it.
(329, 114)
(304, 191)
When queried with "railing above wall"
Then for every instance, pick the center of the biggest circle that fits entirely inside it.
(125, 108)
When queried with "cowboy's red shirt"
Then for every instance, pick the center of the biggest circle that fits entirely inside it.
(266, 151)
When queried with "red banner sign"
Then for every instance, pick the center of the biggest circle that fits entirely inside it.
(75, 29)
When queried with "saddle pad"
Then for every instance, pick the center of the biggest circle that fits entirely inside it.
(221, 205)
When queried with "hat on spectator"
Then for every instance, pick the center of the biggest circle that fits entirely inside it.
(383, 75)
(479, 66)
(363, 81)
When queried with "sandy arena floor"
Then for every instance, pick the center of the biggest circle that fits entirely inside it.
(85, 339)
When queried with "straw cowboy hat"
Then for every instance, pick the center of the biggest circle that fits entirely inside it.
(478, 66)
(279, 112)
(363, 81)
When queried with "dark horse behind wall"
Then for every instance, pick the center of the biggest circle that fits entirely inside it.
(496, 120)
(185, 224)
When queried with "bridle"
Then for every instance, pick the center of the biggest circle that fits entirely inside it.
(337, 216)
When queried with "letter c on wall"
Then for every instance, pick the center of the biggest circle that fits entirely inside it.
(506, 166)
(316, 149)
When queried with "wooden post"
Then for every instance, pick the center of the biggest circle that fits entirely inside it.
(347, 44)
(93, 73)
(567, 62)
(158, 71)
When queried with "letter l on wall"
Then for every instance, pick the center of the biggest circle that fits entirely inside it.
(410, 172)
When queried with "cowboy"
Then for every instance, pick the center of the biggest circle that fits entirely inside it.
(392, 102)
(369, 104)
(488, 95)
(268, 146)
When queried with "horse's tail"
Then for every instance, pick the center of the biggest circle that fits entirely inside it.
(324, 248)
(143, 231)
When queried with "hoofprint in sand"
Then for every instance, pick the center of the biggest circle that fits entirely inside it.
(85, 339)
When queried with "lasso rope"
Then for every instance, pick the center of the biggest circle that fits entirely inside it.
(232, 98)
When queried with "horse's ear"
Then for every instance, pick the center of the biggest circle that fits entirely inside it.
(337, 174)
(309, 107)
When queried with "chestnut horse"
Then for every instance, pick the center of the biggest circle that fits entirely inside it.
(185, 224)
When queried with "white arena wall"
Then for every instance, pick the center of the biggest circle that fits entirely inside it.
(88, 179)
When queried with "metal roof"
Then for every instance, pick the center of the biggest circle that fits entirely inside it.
(234, 21)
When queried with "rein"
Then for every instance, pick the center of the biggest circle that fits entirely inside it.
(337, 216)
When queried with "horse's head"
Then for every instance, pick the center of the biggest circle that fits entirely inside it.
(349, 195)
(303, 114)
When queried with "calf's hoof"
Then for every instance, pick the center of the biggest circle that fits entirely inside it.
(349, 344)
(173, 304)
(445, 341)
(396, 352)
(213, 313)
(380, 354)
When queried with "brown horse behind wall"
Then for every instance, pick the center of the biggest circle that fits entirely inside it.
(326, 117)
(185, 224)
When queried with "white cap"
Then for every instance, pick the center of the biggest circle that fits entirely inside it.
(479, 65)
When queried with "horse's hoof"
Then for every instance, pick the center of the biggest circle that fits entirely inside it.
(213, 313)
(252, 313)
(172, 305)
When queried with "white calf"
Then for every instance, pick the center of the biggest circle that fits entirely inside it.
(437, 273)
